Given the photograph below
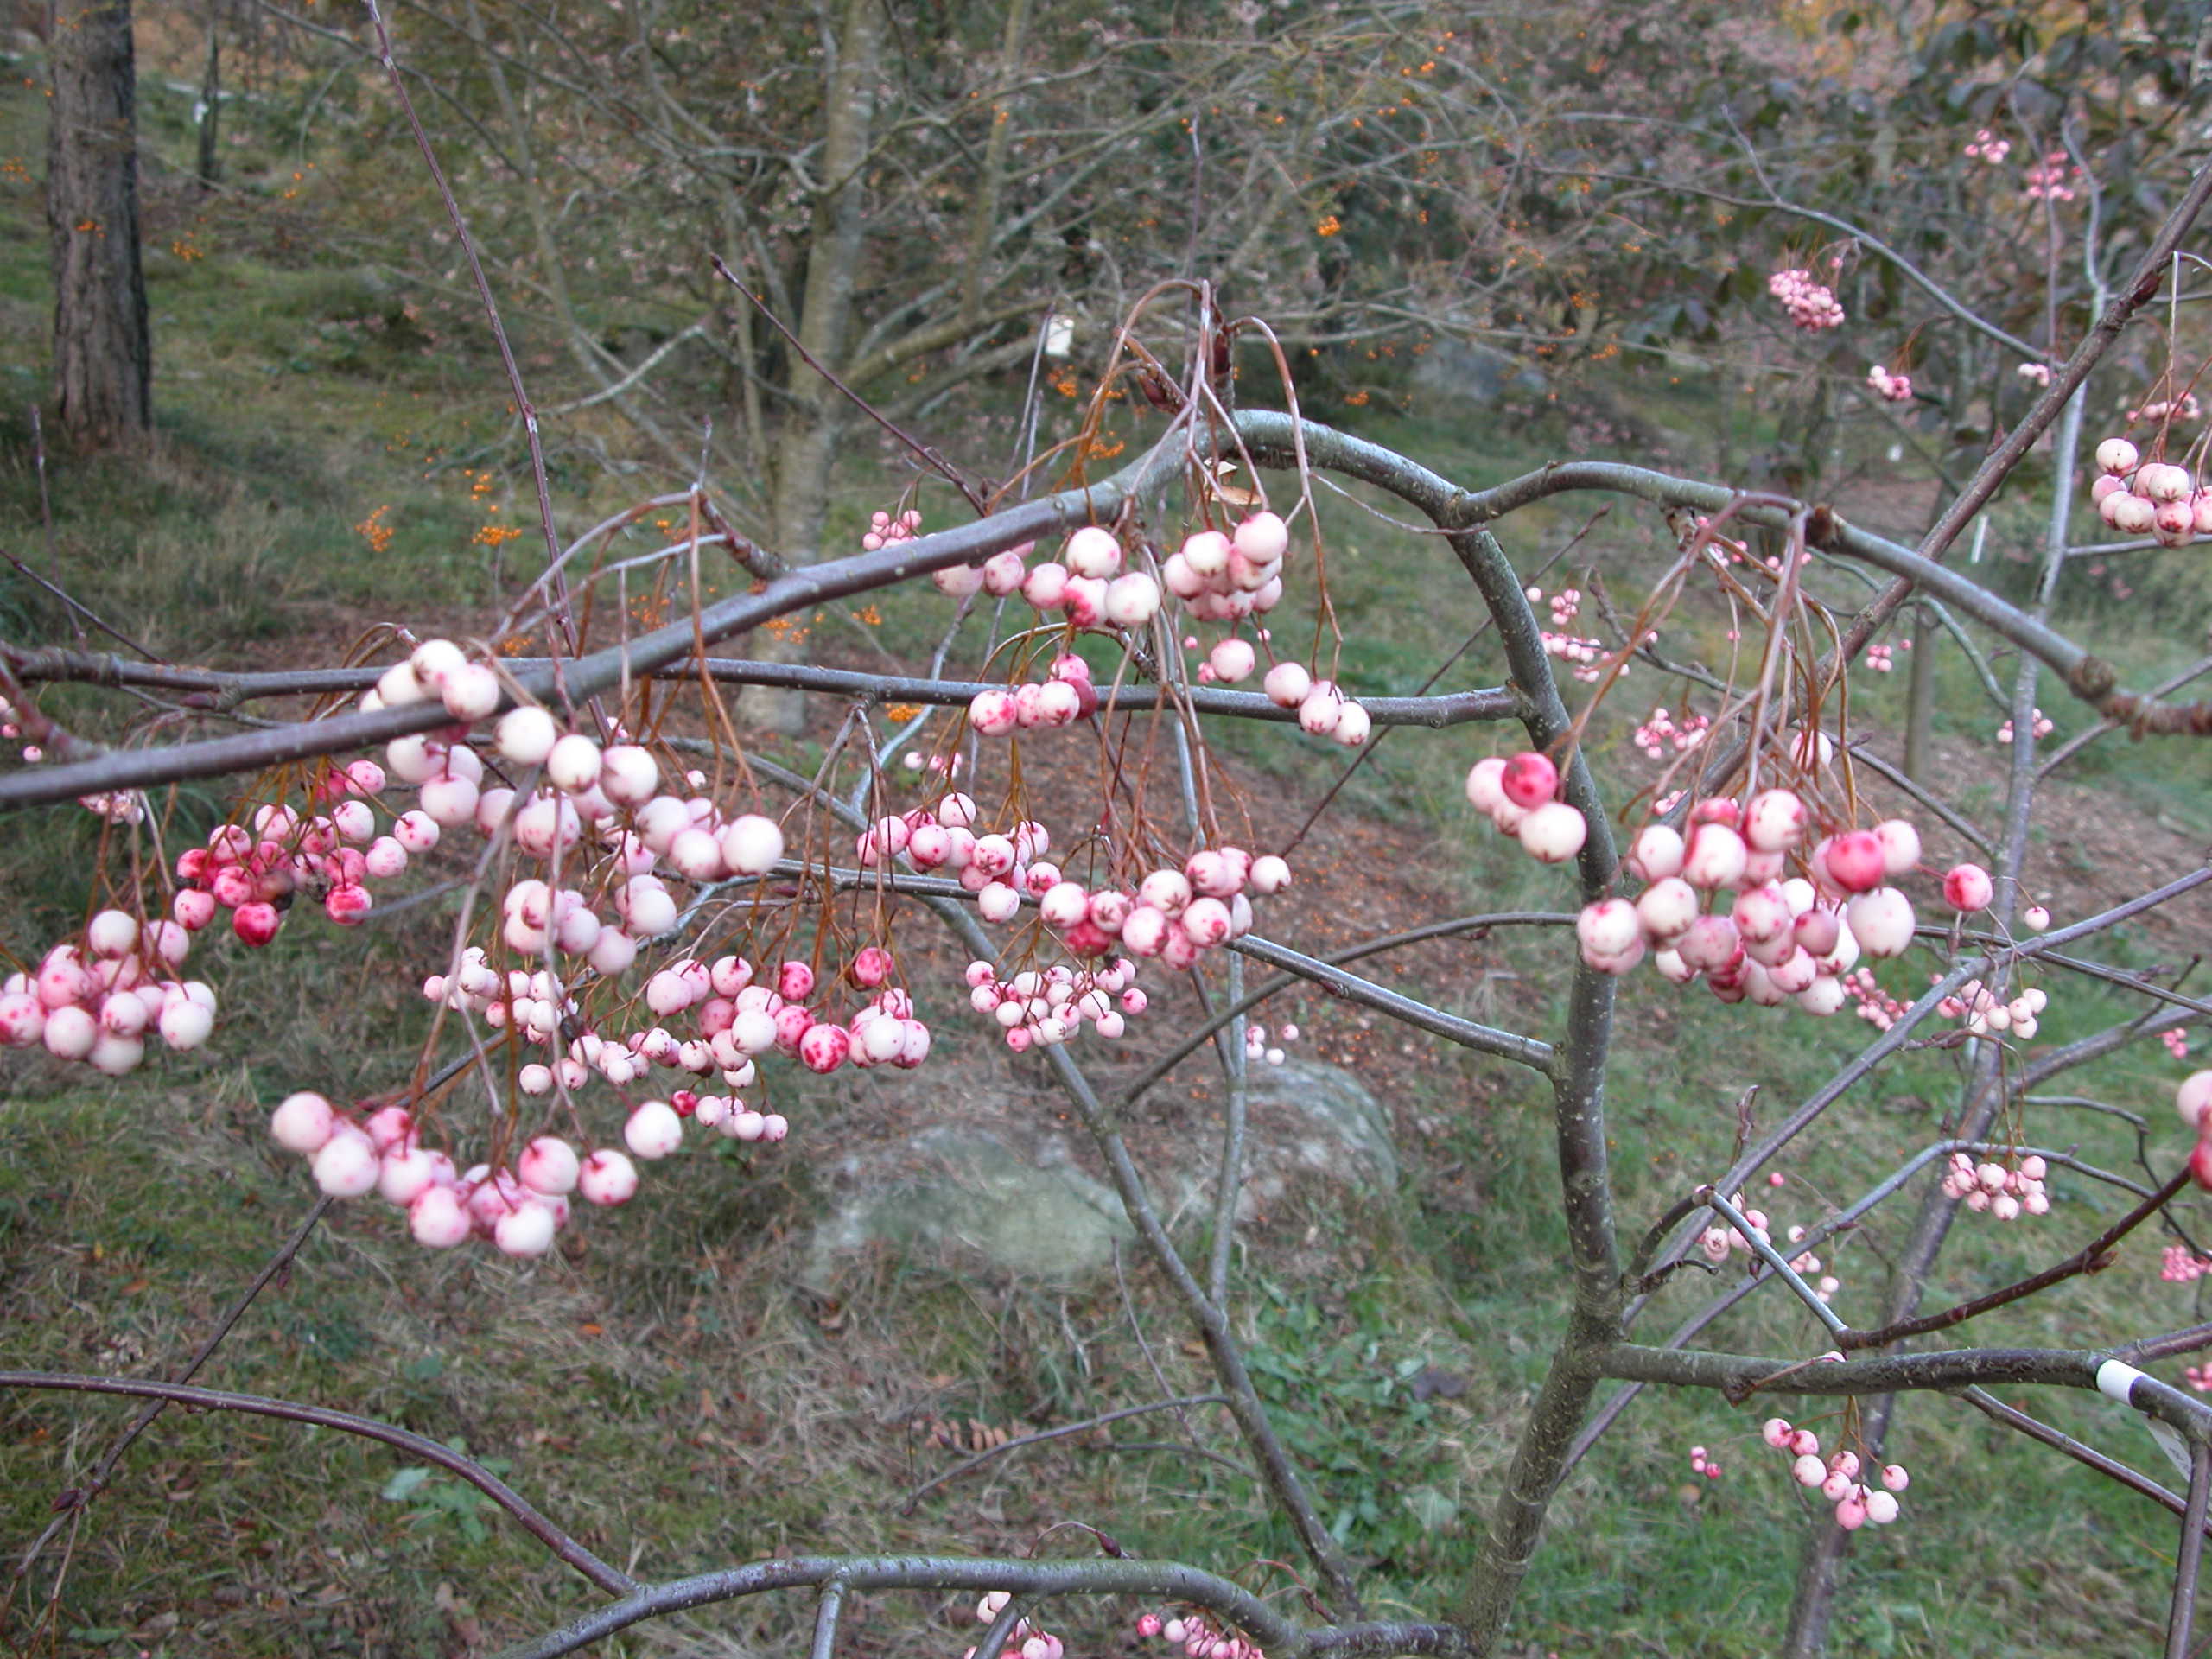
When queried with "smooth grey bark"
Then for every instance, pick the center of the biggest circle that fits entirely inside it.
(813, 420)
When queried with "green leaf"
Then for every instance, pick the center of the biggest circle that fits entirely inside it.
(403, 1484)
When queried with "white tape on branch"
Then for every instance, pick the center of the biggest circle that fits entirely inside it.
(2114, 1378)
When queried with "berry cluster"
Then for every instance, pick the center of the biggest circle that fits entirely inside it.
(1064, 696)
(1323, 709)
(1837, 1479)
(1978, 1007)
(2004, 1193)
(1987, 146)
(95, 1000)
(1026, 1641)
(2153, 497)
(257, 876)
(1257, 1047)
(1198, 1637)
(1051, 1007)
(1661, 729)
(1718, 1244)
(1890, 388)
(885, 529)
(1876, 1005)
(517, 1209)
(2041, 727)
(2054, 177)
(1882, 658)
(1778, 939)
(1583, 656)
(1520, 796)
(2179, 1265)
(1086, 584)
(2177, 1042)
(2184, 408)
(2036, 374)
(1173, 914)
(1701, 1464)
(1226, 578)
(1811, 304)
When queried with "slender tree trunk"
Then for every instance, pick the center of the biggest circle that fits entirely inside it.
(1920, 712)
(103, 347)
(983, 210)
(814, 412)
(211, 102)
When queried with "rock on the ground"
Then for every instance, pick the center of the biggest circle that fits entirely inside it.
(1306, 1119)
(955, 1195)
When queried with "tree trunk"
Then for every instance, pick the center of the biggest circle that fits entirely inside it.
(814, 413)
(102, 347)
(210, 103)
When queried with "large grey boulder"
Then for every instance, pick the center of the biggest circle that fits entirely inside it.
(1477, 374)
(1306, 1119)
(955, 1193)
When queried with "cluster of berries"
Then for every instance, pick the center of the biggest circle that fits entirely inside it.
(257, 874)
(1890, 388)
(1701, 1464)
(1583, 656)
(2179, 1265)
(1881, 659)
(1811, 304)
(1198, 1637)
(2041, 727)
(2036, 374)
(885, 529)
(1026, 1641)
(1323, 709)
(2175, 1041)
(1225, 578)
(2184, 408)
(1257, 1047)
(1565, 604)
(1978, 1007)
(1777, 938)
(1520, 796)
(2054, 177)
(1173, 914)
(1051, 1007)
(1086, 584)
(1064, 696)
(1661, 729)
(1718, 1244)
(1837, 1479)
(1876, 1005)
(96, 1001)
(1987, 146)
(517, 1209)
(2005, 1193)
(2153, 497)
